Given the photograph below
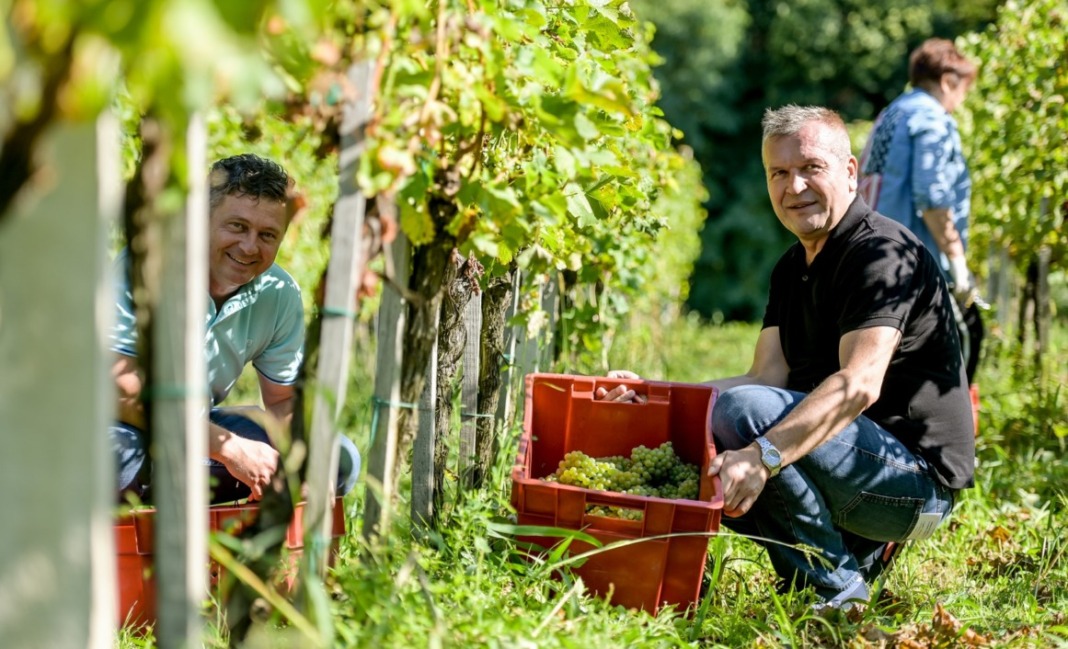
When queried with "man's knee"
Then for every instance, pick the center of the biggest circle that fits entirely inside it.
(240, 425)
(745, 412)
(128, 446)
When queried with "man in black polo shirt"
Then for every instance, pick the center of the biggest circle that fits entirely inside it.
(858, 321)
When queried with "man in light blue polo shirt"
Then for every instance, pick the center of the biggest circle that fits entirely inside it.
(255, 315)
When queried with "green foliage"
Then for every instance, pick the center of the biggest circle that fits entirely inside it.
(528, 132)
(1015, 126)
(700, 42)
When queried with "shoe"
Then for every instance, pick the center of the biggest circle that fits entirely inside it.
(843, 601)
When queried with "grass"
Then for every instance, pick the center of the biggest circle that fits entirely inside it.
(997, 573)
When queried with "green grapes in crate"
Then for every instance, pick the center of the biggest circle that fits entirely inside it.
(655, 472)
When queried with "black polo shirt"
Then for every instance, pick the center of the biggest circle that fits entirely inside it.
(873, 272)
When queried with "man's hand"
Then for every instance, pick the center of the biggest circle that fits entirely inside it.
(620, 393)
(251, 462)
(743, 477)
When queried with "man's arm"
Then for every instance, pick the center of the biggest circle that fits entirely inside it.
(254, 463)
(864, 356)
(128, 385)
(251, 462)
(278, 399)
(940, 222)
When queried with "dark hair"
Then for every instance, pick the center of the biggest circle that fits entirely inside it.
(935, 57)
(790, 119)
(247, 175)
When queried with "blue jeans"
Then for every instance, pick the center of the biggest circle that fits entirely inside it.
(128, 444)
(845, 499)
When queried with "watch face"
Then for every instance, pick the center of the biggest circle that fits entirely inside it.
(769, 456)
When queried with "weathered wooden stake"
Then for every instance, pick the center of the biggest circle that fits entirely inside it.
(386, 407)
(423, 483)
(180, 400)
(339, 306)
(469, 389)
(506, 402)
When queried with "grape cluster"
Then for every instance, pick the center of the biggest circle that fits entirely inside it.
(656, 472)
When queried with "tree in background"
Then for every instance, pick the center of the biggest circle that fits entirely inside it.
(726, 61)
(1015, 128)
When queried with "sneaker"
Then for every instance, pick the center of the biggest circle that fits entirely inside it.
(843, 601)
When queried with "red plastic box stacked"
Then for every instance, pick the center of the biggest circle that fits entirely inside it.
(135, 546)
(562, 415)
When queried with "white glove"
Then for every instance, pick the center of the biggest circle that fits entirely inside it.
(963, 284)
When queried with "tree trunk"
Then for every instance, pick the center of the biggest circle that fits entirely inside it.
(19, 148)
(495, 304)
(451, 339)
(1026, 313)
(1042, 315)
(429, 264)
(141, 226)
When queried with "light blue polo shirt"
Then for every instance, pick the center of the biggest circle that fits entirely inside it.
(263, 323)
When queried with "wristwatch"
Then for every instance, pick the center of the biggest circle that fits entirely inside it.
(770, 456)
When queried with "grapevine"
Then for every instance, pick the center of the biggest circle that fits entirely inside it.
(654, 472)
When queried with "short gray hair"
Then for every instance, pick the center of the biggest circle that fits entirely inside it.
(790, 119)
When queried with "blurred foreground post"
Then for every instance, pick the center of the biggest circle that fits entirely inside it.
(57, 568)
(179, 396)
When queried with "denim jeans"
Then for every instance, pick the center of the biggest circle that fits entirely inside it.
(128, 444)
(845, 499)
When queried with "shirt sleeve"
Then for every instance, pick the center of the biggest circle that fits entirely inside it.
(280, 361)
(124, 330)
(932, 148)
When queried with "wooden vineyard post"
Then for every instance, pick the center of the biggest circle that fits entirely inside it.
(180, 400)
(506, 402)
(58, 561)
(469, 413)
(339, 306)
(423, 484)
(550, 303)
(1041, 292)
(536, 354)
(1042, 317)
(1000, 285)
(383, 456)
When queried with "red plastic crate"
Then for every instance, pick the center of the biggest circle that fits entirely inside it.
(136, 587)
(561, 415)
(135, 545)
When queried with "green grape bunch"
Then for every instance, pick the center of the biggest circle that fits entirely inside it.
(656, 472)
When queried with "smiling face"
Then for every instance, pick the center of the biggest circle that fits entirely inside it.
(810, 183)
(243, 239)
